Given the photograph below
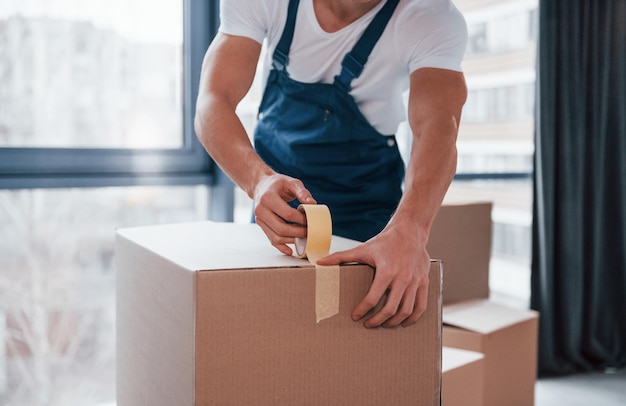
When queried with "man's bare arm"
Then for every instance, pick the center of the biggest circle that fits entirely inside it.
(399, 252)
(228, 70)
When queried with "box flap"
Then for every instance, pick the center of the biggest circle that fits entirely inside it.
(210, 245)
(452, 358)
(483, 316)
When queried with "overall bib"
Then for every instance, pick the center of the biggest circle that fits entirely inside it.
(315, 132)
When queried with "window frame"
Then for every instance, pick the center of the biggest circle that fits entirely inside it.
(26, 168)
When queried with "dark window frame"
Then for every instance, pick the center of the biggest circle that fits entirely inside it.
(26, 168)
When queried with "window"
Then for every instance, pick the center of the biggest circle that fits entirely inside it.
(101, 93)
(506, 103)
(477, 38)
(87, 77)
(57, 285)
(502, 26)
(96, 105)
(495, 143)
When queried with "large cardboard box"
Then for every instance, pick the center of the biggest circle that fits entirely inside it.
(463, 377)
(211, 314)
(507, 337)
(461, 237)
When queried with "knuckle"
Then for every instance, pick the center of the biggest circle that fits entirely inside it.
(276, 240)
(295, 182)
(413, 317)
(286, 230)
(406, 278)
(383, 277)
(388, 311)
(281, 229)
(423, 281)
(404, 313)
(370, 302)
(420, 308)
(293, 216)
(258, 210)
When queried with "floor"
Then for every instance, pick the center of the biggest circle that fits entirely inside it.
(590, 389)
(593, 389)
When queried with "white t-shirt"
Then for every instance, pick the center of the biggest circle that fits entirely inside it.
(421, 33)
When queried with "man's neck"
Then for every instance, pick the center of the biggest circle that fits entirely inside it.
(334, 15)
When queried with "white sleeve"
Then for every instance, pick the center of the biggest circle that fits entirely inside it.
(442, 42)
(246, 18)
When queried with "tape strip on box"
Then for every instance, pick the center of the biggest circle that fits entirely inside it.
(316, 245)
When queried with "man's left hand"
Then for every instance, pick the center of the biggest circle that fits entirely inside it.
(400, 283)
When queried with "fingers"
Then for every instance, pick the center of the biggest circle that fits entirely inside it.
(369, 302)
(304, 196)
(421, 302)
(342, 257)
(278, 231)
(400, 301)
(397, 296)
(278, 241)
(280, 222)
(290, 189)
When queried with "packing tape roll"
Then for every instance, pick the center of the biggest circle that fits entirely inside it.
(316, 245)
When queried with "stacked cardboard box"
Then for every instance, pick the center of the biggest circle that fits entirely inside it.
(463, 377)
(461, 238)
(507, 337)
(211, 314)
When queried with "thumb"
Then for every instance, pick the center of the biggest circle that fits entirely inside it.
(305, 197)
(290, 188)
(302, 193)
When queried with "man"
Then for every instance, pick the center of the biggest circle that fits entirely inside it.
(332, 99)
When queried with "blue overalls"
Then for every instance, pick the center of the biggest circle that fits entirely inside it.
(316, 133)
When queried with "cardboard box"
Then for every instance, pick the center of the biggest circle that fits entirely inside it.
(507, 337)
(463, 377)
(211, 314)
(461, 237)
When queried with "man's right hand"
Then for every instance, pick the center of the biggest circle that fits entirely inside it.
(280, 222)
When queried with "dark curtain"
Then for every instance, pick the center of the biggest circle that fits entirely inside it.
(579, 230)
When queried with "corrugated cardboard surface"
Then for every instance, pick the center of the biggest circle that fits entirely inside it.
(463, 377)
(507, 337)
(461, 237)
(257, 343)
(199, 324)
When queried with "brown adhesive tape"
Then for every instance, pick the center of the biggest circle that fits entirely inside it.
(316, 245)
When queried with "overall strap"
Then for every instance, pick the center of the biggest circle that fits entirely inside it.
(280, 59)
(354, 61)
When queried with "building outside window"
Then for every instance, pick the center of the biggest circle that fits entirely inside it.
(496, 133)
